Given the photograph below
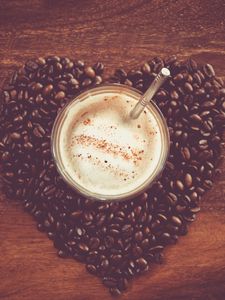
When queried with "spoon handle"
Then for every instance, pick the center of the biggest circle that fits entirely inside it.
(156, 84)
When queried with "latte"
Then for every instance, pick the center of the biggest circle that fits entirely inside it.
(103, 150)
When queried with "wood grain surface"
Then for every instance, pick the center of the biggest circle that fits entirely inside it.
(118, 33)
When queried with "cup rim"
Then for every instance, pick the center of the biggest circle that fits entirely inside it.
(119, 197)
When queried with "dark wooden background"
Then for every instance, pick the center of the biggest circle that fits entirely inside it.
(118, 33)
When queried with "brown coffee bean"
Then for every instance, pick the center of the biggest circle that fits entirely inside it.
(207, 184)
(98, 80)
(89, 72)
(109, 282)
(138, 236)
(192, 64)
(208, 70)
(60, 96)
(170, 60)
(76, 214)
(203, 144)
(98, 68)
(86, 82)
(145, 243)
(176, 220)
(105, 264)
(209, 104)
(208, 125)
(137, 251)
(115, 291)
(179, 185)
(141, 262)
(39, 131)
(28, 146)
(127, 230)
(185, 152)
(83, 247)
(146, 69)
(171, 199)
(188, 87)
(47, 89)
(179, 77)
(15, 136)
(194, 196)
(188, 180)
(165, 238)
(91, 269)
(174, 95)
(109, 241)
(123, 284)
(94, 243)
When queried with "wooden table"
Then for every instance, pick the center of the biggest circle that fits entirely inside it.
(118, 33)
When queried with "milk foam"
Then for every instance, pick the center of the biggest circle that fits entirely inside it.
(105, 151)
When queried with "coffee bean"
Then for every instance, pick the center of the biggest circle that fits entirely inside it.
(192, 64)
(62, 254)
(41, 61)
(115, 292)
(39, 131)
(170, 60)
(6, 156)
(177, 221)
(109, 282)
(60, 96)
(28, 146)
(185, 152)
(47, 89)
(127, 230)
(91, 269)
(79, 231)
(83, 247)
(188, 180)
(137, 251)
(171, 199)
(208, 70)
(109, 241)
(207, 184)
(122, 284)
(146, 69)
(94, 243)
(86, 82)
(98, 80)
(128, 82)
(178, 78)
(208, 125)
(76, 214)
(141, 262)
(179, 185)
(121, 74)
(165, 238)
(15, 136)
(174, 95)
(196, 118)
(188, 87)
(138, 236)
(104, 264)
(89, 72)
(98, 68)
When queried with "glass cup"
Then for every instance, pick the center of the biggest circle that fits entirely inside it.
(55, 143)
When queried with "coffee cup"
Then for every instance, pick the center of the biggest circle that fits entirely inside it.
(104, 154)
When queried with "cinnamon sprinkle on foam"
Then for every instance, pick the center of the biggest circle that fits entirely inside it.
(108, 147)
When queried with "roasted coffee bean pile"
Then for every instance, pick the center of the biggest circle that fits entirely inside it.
(116, 240)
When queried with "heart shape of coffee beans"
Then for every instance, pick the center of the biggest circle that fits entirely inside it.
(116, 240)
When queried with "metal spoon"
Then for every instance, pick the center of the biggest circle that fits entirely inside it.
(147, 97)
